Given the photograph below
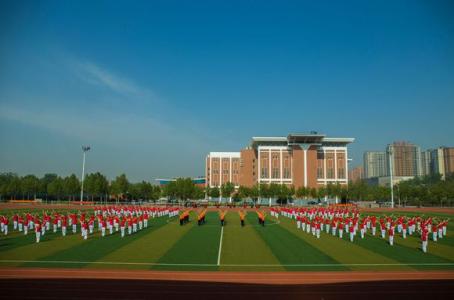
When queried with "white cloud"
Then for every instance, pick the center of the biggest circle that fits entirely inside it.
(96, 75)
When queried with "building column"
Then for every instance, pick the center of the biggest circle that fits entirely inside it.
(230, 196)
(280, 164)
(220, 178)
(269, 169)
(324, 165)
(346, 164)
(305, 167)
(211, 176)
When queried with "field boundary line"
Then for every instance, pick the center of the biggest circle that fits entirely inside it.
(277, 222)
(223, 265)
(220, 246)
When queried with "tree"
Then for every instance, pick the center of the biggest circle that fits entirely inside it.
(55, 188)
(71, 186)
(184, 188)
(199, 193)
(264, 191)
(243, 192)
(285, 193)
(322, 192)
(313, 192)
(155, 193)
(120, 187)
(9, 185)
(44, 182)
(227, 190)
(29, 186)
(214, 192)
(302, 192)
(254, 192)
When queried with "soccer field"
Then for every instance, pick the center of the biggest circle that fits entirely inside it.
(278, 246)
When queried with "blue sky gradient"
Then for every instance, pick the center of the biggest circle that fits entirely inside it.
(155, 85)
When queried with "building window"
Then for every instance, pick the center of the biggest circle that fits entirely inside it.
(330, 168)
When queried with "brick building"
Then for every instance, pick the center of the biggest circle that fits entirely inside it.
(309, 160)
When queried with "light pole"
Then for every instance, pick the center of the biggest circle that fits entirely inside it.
(390, 156)
(85, 149)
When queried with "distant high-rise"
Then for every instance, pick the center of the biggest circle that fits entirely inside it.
(426, 163)
(374, 164)
(406, 159)
(449, 160)
(356, 174)
(442, 161)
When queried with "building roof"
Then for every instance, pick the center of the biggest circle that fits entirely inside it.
(300, 138)
(224, 154)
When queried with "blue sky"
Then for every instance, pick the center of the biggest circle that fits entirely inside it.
(155, 85)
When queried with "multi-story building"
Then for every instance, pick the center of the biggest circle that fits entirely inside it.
(374, 164)
(425, 163)
(442, 161)
(405, 159)
(356, 174)
(448, 153)
(223, 167)
(309, 160)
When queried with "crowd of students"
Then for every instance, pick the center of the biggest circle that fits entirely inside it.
(104, 219)
(339, 220)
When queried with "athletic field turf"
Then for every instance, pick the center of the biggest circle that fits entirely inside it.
(279, 246)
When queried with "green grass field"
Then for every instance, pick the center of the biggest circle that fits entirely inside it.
(279, 246)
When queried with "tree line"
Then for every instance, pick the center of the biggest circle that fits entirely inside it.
(429, 190)
(96, 188)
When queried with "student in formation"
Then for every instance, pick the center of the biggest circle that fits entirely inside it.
(352, 233)
(341, 229)
(242, 218)
(222, 217)
(63, 225)
(38, 230)
(84, 229)
(103, 227)
(122, 226)
(391, 235)
(424, 239)
(5, 225)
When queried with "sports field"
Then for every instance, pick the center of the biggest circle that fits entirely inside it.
(277, 246)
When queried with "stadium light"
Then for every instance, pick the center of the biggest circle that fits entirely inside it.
(390, 153)
(85, 149)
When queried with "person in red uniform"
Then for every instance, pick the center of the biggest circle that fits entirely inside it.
(341, 229)
(55, 223)
(38, 230)
(25, 221)
(424, 239)
(122, 226)
(64, 223)
(391, 234)
(404, 230)
(103, 227)
(84, 226)
(5, 225)
(317, 229)
(351, 229)
(74, 222)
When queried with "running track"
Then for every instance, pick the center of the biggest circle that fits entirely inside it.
(107, 284)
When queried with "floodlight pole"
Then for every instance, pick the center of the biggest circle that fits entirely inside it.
(85, 149)
(390, 152)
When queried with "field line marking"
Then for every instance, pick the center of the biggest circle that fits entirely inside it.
(214, 265)
(220, 246)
